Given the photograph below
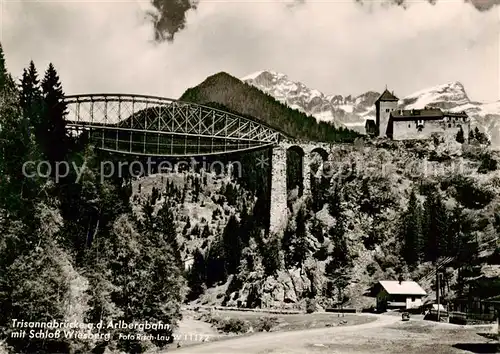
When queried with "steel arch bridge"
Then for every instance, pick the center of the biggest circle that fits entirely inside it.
(156, 126)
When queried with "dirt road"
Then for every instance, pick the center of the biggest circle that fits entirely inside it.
(305, 341)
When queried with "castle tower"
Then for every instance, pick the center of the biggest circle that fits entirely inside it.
(384, 105)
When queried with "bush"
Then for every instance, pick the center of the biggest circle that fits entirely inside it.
(470, 195)
(488, 163)
(371, 269)
(266, 324)
(311, 306)
(233, 325)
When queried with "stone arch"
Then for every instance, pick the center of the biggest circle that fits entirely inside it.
(295, 168)
(313, 169)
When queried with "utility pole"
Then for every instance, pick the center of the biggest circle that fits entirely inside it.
(437, 292)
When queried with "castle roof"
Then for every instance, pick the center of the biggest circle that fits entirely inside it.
(387, 96)
(420, 114)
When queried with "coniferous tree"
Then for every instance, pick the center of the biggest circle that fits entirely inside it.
(336, 270)
(53, 126)
(334, 202)
(5, 78)
(165, 226)
(206, 232)
(215, 263)
(270, 253)
(455, 230)
(317, 230)
(435, 226)
(232, 245)
(197, 276)
(412, 231)
(186, 228)
(246, 225)
(460, 136)
(31, 99)
(17, 147)
(301, 247)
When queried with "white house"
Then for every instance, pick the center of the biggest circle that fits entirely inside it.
(393, 294)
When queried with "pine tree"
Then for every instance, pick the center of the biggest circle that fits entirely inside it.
(197, 276)
(435, 226)
(301, 246)
(53, 125)
(186, 228)
(460, 136)
(471, 135)
(334, 202)
(31, 99)
(412, 231)
(5, 78)
(270, 253)
(206, 232)
(455, 230)
(336, 269)
(165, 226)
(246, 225)
(215, 263)
(232, 245)
(18, 185)
(340, 252)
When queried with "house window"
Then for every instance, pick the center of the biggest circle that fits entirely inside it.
(413, 299)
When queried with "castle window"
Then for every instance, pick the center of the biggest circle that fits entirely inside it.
(420, 122)
(409, 125)
(449, 125)
(387, 110)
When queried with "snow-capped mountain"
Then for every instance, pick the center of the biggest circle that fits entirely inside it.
(352, 111)
(347, 111)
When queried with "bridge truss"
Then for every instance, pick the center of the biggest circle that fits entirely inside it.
(155, 126)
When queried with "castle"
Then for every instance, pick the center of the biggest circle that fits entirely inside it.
(398, 124)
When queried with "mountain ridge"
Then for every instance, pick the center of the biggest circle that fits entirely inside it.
(352, 111)
(226, 92)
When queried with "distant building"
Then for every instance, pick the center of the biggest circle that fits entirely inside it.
(412, 124)
(371, 127)
(393, 294)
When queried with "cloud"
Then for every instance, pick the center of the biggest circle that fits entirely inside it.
(337, 47)
(481, 5)
(169, 16)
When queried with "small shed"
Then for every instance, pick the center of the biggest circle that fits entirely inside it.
(394, 294)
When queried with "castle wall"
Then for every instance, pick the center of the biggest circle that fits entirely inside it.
(407, 130)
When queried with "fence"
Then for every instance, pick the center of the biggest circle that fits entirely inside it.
(465, 317)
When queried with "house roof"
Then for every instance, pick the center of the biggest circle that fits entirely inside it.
(387, 96)
(394, 287)
(417, 114)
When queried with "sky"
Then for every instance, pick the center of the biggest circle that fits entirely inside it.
(335, 46)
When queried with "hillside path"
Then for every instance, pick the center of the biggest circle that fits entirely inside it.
(283, 342)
